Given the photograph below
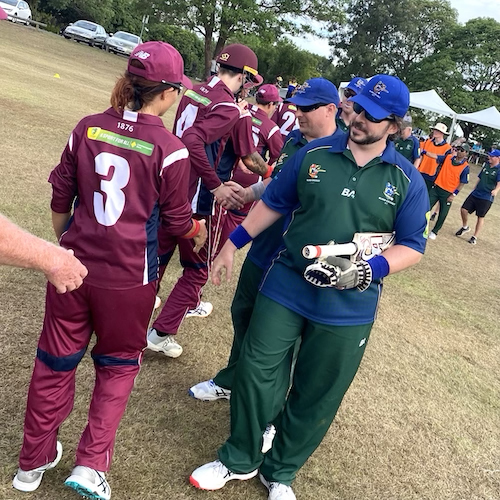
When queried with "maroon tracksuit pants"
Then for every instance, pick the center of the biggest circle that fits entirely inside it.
(119, 319)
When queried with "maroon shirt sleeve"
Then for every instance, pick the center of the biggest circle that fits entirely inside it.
(241, 135)
(63, 177)
(214, 125)
(275, 144)
(175, 210)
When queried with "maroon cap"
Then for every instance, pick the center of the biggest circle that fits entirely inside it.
(3, 14)
(162, 63)
(251, 84)
(269, 93)
(240, 57)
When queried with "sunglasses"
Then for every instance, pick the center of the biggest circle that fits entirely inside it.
(349, 93)
(459, 150)
(312, 107)
(359, 109)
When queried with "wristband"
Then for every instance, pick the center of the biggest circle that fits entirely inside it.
(454, 194)
(240, 237)
(258, 190)
(194, 230)
(268, 173)
(380, 267)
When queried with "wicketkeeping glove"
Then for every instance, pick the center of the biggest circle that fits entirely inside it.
(339, 273)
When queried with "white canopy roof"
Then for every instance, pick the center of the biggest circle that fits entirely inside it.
(489, 117)
(431, 101)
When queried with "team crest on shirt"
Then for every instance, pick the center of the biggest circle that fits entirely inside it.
(378, 89)
(314, 171)
(390, 191)
(282, 158)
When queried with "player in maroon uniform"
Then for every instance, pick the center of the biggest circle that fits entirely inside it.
(120, 174)
(284, 117)
(268, 140)
(205, 118)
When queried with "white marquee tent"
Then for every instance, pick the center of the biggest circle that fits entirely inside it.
(489, 117)
(431, 101)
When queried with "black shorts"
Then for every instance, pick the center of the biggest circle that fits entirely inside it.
(478, 205)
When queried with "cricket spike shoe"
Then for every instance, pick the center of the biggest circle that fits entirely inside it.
(203, 310)
(167, 344)
(89, 483)
(209, 391)
(214, 475)
(29, 480)
(278, 491)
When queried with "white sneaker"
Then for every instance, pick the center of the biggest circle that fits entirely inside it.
(89, 483)
(166, 345)
(202, 311)
(209, 391)
(268, 438)
(278, 491)
(29, 480)
(215, 475)
(432, 235)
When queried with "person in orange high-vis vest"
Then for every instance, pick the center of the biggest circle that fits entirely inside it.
(431, 149)
(452, 174)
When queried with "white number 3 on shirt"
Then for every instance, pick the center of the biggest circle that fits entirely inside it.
(108, 209)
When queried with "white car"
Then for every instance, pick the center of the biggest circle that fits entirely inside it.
(122, 43)
(87, 32)
(17, 8)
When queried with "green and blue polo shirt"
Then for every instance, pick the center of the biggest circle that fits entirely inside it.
(488, 179)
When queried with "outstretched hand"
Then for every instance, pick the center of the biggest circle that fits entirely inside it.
(223, 261)
(65, 271)
(230, 195)
(201, 237)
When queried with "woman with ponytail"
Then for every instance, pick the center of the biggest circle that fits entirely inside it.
(121, 175)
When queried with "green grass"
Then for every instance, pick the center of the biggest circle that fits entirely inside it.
(421, 420)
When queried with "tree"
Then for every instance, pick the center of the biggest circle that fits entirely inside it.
(217, 21)
(389, 36)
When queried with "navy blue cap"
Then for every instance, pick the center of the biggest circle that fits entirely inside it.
(495, 153)
(316, 91)
(357, 84)
(384, 95)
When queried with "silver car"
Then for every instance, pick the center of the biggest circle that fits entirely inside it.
(87, 32)
(122, 43)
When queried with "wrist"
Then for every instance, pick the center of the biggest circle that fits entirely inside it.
(240, 237)
(258, 190)
(268, 173)
(215, 189)
(379, 266)
(195, 229)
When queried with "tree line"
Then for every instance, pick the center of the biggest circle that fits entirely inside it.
(420, 41)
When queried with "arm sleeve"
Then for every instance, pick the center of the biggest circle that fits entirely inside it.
(275, 143)
(215, 125)
(464, 176)
(416, 149)
(241, 136)
(411, 219)
(63, 177)
(175, 210)
(440, 158)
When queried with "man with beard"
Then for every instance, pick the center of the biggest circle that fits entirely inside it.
(330, 190)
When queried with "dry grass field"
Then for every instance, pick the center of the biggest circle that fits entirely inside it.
(420, 422)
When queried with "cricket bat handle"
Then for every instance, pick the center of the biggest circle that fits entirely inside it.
(315, 251)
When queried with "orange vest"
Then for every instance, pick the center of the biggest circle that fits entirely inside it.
(429, 165)
(449, 175)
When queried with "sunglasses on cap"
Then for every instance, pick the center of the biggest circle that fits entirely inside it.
(359, 109)
(312, 107)
(349, 93)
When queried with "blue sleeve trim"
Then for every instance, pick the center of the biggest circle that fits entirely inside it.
(60, 363)
(103, 360)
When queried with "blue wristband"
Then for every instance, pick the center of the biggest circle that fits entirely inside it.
(240, 237)
(380, 267)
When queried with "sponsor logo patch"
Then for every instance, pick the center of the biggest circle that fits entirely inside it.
(121, 141)
(314, 171)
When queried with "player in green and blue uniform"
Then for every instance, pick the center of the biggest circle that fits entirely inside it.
(331, 189)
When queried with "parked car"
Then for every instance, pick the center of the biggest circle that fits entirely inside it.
(86, 31)
(17, 8)
(122, 43)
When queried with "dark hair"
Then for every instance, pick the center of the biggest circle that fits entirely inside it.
(398, 120)
(134, 91)
(262, 100)
(229, 70)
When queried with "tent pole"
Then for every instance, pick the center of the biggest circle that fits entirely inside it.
(452, 131)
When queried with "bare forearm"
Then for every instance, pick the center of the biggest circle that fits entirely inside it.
(59, 222)
(260, 218)
(400, 257)
(255, 163)
(417, 162)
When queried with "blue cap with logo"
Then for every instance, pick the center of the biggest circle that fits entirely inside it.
(316, 91)
(495, 153)
(357, 84)
(384, 95)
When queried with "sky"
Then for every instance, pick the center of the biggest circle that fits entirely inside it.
(467, 9)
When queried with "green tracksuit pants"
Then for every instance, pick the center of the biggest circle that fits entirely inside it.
(437, 194)
(328, 359)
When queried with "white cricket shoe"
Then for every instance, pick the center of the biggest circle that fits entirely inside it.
(166, 345)
(202, 311)
(89, 483)
(268, 438)
(278, 491)
(209, 391)
(432, 235)
(29, 480)
(215, 475)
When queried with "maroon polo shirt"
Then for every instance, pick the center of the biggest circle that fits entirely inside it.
(266, 134)
(284, 117)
